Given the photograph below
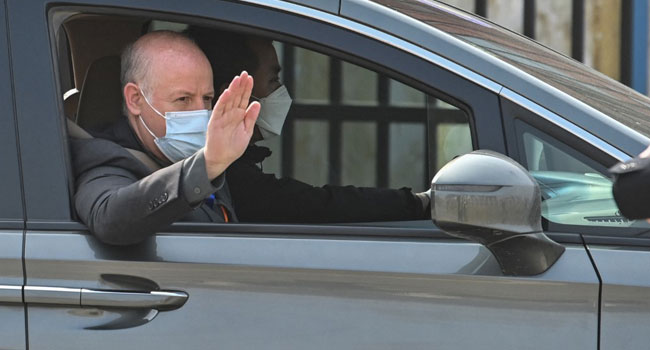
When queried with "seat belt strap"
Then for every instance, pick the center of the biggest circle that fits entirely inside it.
(75, 130)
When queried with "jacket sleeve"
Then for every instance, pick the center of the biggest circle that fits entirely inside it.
(260, 197)
(119, 208)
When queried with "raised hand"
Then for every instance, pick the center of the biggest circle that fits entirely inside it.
(231, 125)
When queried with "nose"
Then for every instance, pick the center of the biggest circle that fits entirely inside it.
(197, 104)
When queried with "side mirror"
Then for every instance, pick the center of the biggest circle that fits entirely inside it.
(489, 198)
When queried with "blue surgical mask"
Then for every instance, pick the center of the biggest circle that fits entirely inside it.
(185, 132)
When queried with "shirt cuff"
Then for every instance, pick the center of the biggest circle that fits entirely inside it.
(194, 179)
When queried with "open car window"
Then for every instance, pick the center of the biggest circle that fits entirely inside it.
(348, 125)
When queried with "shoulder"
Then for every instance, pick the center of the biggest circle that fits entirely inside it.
(87, 154)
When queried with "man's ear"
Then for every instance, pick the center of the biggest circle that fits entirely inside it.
(133, 99)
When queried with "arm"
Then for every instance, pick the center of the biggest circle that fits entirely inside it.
(119, 208)
(260, 197)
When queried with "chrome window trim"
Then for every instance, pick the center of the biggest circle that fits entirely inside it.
(383, 37)
(564, 124)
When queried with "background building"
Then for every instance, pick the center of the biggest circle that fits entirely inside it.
(608, 35)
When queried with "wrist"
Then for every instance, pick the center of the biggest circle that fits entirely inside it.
(213, 168)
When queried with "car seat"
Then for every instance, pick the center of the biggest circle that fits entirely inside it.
(100, 100)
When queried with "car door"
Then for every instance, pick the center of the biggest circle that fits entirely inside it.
(12, 224)
(372, 285)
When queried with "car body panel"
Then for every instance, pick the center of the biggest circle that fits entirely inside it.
(12, 311)
(310, 292)
(42, 147)
(12, 222)
(625, 311)
(11, 206)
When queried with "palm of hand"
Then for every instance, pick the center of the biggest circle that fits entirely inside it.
(231, 125)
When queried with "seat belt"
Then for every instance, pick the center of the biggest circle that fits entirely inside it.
(75, 130)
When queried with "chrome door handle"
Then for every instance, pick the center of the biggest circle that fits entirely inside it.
(159, 300)
(84, 297)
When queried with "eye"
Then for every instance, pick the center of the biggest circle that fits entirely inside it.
(183, 99)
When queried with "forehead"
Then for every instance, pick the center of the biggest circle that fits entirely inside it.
(180, 70)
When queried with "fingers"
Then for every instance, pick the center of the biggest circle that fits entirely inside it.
(250, 118)
(220, 106)
(247, 87)
(240, 88)
(235, 87)
(236, 95)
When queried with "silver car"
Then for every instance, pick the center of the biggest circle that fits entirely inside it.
(437, 83)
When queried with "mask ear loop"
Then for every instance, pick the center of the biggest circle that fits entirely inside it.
(146, 127)
(154, 109)
(150, 105)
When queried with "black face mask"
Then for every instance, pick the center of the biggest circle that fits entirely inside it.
(632, 187)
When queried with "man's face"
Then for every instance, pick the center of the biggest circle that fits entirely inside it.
(179, 80)
(267, 74)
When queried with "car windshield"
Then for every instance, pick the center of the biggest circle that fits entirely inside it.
(574, 78)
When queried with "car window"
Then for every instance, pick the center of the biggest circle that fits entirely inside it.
(575, 190)
(348, 125)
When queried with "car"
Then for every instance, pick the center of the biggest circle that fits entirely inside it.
(387, 93)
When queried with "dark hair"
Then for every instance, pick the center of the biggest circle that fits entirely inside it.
(229, 53)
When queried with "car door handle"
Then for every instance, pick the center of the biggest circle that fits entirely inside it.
(159, 300)
(85, 297)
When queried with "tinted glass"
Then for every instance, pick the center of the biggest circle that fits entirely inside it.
(355, 126)
(574, 189)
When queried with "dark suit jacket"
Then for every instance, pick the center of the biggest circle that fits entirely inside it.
(122, 201)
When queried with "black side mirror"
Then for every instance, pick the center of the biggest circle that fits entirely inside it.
(489, 198)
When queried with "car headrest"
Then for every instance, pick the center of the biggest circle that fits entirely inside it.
(100, 101)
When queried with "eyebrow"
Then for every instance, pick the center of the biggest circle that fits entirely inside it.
(181, 92)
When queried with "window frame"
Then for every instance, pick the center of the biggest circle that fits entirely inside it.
(391, 61)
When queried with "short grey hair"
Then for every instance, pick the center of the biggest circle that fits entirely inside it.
(136, 61)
